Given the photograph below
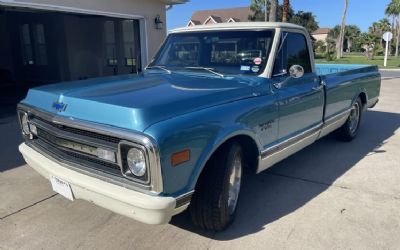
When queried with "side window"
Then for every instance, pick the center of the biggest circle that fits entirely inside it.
(293, 50)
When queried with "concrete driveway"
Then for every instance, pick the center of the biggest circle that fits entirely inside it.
(332, 195)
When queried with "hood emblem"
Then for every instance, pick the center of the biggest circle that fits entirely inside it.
(59, 106)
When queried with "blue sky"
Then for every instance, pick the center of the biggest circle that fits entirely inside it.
(328, 12)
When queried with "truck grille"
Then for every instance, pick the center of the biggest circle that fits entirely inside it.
(90, 148)
(76, 146)
(81, 132)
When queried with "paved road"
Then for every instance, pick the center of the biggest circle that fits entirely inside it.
(332, 195)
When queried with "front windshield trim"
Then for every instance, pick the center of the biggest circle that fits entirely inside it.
(269, 37)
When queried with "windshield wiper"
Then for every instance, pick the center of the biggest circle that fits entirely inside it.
(159, 67)
(211, 70)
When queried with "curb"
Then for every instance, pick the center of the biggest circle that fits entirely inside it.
(394, 70)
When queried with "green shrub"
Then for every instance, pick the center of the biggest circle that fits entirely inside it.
(379, 50)
(329, 56)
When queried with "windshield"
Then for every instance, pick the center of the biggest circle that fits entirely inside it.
(220, 53)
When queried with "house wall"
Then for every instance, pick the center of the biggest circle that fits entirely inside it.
(320, 37)
(148, 9)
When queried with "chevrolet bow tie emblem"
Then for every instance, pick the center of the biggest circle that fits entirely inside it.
(59, 106)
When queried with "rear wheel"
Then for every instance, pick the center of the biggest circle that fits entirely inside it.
(214, 202)
(349, 130)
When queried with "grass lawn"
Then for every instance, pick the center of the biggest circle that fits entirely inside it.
(361, 59)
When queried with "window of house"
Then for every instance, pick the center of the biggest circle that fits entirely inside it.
(27, 48)
(40, 44)
(34, 50)
(111, 50)
(128, 33)
(293, 50)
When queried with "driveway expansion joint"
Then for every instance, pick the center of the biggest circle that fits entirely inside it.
(334, 185)
(24, 208)
(308, 180)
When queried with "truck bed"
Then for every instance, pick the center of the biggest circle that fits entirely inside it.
(327, 69)
(343, 81)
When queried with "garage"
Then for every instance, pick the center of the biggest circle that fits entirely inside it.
(40, 47)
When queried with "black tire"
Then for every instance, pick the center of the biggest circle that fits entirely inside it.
(209, 205)
(349, 130)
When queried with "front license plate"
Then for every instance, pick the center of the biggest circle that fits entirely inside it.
(61, 187)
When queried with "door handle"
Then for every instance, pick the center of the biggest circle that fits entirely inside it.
(317, 88)
(320, 86)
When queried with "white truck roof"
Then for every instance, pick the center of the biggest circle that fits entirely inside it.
(237, 26)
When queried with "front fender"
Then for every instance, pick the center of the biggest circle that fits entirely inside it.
(202, 132)
(223, 136)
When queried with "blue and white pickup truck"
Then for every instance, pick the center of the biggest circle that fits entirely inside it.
(215, 99)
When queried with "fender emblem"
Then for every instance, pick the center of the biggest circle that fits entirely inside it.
(59, 106)
(266, 126)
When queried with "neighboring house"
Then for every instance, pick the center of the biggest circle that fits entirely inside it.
(208, 17)
(46, 41)
(321, 34)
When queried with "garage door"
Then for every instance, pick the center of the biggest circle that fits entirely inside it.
(42, 47)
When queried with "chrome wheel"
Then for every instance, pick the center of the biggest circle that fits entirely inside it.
(354, 118)
(235, 180)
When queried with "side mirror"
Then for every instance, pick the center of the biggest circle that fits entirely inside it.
(296, 71)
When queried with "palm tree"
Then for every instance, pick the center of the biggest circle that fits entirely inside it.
(369, 41)
(285, 9)
(352, 32)
(273, 11)
(379, 28)
(259, 10)
(339, 45)
(384, 26)
(393, 10)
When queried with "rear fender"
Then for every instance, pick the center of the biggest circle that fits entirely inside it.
(361, 92)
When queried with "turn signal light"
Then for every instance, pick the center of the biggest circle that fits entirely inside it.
(180, 157)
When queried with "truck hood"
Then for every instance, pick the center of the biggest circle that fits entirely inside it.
(137, 101)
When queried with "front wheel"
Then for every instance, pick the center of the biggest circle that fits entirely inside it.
(214, 202)
(349, 130)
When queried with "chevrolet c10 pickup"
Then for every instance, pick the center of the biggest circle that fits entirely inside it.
(214, 101)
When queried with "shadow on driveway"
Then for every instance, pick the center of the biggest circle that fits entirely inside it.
(10, 139)
(268, 197)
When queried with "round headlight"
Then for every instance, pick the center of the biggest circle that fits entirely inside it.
(25, 124)
(136, 162)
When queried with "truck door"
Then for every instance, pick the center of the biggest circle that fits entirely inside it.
(301, 100)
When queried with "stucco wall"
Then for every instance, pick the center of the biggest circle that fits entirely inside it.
(148, 9)
(320, 37)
